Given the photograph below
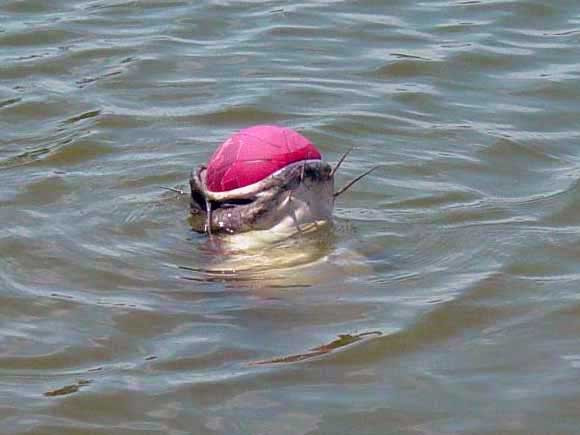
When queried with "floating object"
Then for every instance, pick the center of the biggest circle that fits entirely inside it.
(255, 153)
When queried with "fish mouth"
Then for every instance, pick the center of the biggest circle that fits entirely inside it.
(300, 193)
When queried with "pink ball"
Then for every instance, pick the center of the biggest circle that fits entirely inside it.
(253, 154)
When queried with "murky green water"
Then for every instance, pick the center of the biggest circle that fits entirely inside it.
(446, 299)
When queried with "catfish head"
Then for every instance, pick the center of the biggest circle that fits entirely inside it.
(263, 178)
(300, 193)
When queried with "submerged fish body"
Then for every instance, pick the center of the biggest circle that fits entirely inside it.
(267, 260)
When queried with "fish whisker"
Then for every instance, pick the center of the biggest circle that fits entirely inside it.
(208, 217)
(344, 156)
(173, 189)
(350, 183)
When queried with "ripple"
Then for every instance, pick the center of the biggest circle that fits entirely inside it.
(510, 150)
(410, 68)
(68, 389)
(37, 37)
(451, 274)
(31, 7)
(9, 102)
(343, 341)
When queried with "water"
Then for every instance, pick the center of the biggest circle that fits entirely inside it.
(444, 301)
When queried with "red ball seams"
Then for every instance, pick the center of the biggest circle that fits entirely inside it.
(253, 154)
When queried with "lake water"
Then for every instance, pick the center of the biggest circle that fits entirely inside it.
(446, 299)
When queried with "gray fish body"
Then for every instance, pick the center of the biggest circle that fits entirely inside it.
(299, 194)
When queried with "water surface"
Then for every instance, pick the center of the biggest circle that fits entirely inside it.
(445, 300)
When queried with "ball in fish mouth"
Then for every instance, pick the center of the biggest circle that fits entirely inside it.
(264, 177)
(255, 153)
